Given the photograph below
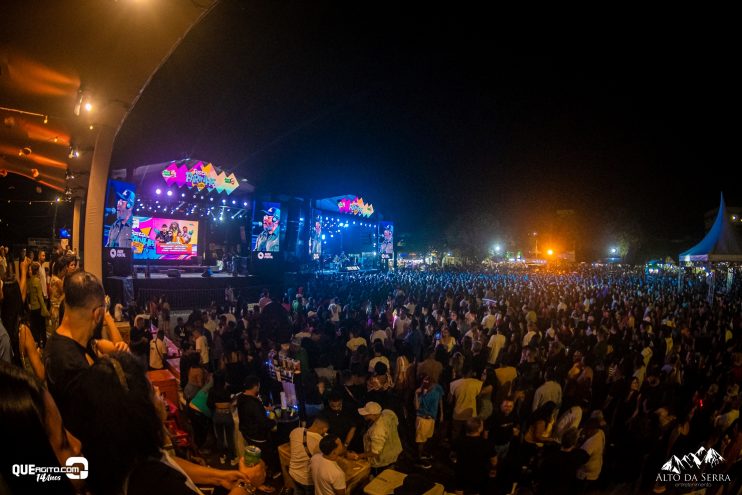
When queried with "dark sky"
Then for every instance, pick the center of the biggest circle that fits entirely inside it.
(428, 115)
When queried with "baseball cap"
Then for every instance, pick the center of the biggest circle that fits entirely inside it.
(274, 212)
(128, 196)
(371, 408)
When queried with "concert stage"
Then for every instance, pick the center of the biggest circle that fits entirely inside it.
(190, 290)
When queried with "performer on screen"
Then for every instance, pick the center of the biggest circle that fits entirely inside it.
(268, 239)
(387, 244)
(316, 240)
(185, 236)
(120, 233)
(164, 234)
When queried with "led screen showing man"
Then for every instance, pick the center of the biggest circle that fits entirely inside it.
(269, 238)
(386, 244)
(120, 202)
(315, 239)
(164, 238)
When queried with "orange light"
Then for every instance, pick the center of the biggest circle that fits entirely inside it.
(550, 252)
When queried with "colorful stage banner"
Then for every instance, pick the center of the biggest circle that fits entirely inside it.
(201, 176)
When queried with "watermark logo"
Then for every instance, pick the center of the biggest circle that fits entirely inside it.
(75, 468)
(694, 470)
(82, 472)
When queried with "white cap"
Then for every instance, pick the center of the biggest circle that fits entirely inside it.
(371, 408)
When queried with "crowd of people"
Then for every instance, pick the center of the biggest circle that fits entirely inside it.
(554, 381)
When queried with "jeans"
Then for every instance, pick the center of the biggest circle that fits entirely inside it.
(224, 429)
(300, 489)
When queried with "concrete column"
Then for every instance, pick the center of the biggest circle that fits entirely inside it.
(96, 199)
(76, 224)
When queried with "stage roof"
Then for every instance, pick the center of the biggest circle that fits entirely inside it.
(57, 56)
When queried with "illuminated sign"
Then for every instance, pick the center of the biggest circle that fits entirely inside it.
(356, 207)
(201, 176)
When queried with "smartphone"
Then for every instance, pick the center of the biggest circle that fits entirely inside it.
(438, 336)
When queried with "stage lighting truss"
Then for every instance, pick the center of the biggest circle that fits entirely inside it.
(218, 214)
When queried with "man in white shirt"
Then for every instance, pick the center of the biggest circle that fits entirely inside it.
(401, 323)
(549, 391)
(464, 394)
(202, 346)
(355, 341)
(489, 319)
(211, 324)
(530, 334)
(379, 334)
(157, 351)
(594, 445)
(496, 344)
(42, 275)
(304, 443)
(327, 476)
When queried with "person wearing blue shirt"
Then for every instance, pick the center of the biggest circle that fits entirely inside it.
(428, 402)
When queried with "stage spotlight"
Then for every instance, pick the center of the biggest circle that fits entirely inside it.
(224, 201)
(182, 195)
(88, 106)
(170, 193)
(158, 191)
(234, 202)
(211, 199)
(244, 204)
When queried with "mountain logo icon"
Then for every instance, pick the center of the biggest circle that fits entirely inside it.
(693, 460)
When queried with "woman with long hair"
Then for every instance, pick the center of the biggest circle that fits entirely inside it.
(126, 450)
(33, 433)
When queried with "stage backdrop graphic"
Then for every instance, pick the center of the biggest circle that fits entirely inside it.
(267, 229)
(164, 238)
(117, 221)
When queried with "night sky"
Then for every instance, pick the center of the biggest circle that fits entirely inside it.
(430, 117)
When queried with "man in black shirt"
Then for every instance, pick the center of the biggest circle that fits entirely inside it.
(502, 427)
(255, 425)
(73, 348)
(558, 471)
(475, 458)
(343, 421)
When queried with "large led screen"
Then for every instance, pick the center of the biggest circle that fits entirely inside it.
(117, 222)
(164, 238)
(267, 225)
